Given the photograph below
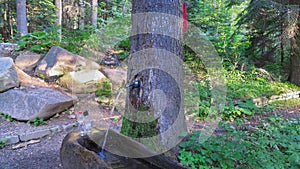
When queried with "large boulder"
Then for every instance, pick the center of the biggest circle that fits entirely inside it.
(83, 81)
(83, 153)
(27, 103)
(59, 61)
(8, 74)
(27, 61)
(116, 76)
(26, 80)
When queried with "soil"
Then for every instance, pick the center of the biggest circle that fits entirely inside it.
(45, 154)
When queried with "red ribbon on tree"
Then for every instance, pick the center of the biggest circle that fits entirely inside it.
(185, 21)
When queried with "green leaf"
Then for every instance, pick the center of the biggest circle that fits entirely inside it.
(184, 134)
(35, 47)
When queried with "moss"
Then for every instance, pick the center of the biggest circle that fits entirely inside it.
(139, 130)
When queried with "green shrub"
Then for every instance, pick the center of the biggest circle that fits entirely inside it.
(38, 122)
(272, 145)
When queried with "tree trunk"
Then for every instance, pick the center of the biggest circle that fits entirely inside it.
(21, 17)
(94, 17)
(81, 15)
(294, 76)
(58, 5)
(154, 107)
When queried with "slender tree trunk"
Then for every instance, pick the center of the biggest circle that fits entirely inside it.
(155, 107)
(21, 17)
(58, 4)
(94, 17)
(81, 15)
(282, 44)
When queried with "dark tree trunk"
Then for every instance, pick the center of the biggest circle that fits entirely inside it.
(155, 108)
(21, 17)
(282, 43)
(295, 54)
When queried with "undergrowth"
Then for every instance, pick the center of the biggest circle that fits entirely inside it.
(272, 145)
(242, 87)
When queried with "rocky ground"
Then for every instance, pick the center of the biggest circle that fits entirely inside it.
(45, 153)
(42, 155)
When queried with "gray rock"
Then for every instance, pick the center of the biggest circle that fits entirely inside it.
(58, 61)
(34, 135)
(27, 61)
(10, 139)
(116, 76)
(26, 80)
(27, 103)
(6, 49)
(84, 81)
(8, 74)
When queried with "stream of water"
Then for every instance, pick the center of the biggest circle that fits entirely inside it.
(101, 154)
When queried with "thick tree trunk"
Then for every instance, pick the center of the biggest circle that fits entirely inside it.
(154, 111)
(21, 17)
(94, 17)
(295, 54)
(58, 4)
(295, 60)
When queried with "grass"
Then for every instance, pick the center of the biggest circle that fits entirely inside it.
(283, 104)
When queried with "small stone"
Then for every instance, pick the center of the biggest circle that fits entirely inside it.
(72, 116)
(10, 139)
(35, 135)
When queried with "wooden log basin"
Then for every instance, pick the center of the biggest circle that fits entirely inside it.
(79, 152)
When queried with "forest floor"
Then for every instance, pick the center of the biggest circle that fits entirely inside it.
(46, 153)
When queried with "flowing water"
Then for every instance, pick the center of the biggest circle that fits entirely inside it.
(101, 154)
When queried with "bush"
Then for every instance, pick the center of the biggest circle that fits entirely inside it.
(273, 145)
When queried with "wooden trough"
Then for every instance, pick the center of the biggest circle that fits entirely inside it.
(83, 153)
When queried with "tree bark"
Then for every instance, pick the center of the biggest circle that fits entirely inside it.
(58, 4)
(154, 109)
(94, 17)
(21, 17)
(294, 76)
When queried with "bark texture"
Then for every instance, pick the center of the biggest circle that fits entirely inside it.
(155, 107)
(21, 17)
(94, 12)
(295, 53)
(58, 4)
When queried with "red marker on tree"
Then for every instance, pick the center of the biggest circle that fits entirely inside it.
(185, 21)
